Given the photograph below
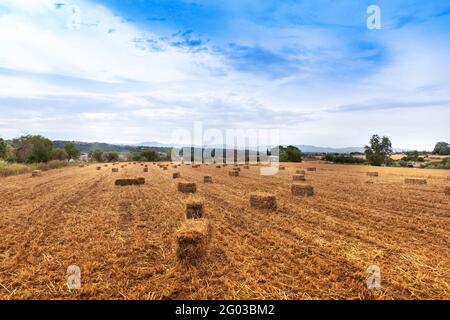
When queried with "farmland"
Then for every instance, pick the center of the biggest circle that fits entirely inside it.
(317, 247)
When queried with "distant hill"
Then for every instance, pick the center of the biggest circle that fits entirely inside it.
(87, 147)
(161, 147)
(314, 149)
(155, 144)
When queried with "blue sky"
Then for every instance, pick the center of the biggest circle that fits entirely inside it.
(138, 70)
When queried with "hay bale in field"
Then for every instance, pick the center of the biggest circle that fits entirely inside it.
(447, 191)
(176, 175)
(415, 181)
(165, 168)
(192, 239)
(218, 167)
(36, 173)
(282, 168)
(302, 190)
(105, 165)
(236, 169)
(99, 168)
(298, 177)
(372, 174)
(145, 169)
(115, 169)
(125, 182)
(187, 187)
(300, 172)
(207, 179)
(122, 167)
(233, 173)
(130, 182)
(194, 209)
(311, 169)
(246, 167)
(263, 200)
(81, 166)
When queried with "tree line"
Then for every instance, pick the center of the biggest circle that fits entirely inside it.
(38, 149)
(35, 149)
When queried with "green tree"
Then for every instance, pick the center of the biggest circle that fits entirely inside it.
(10, 153)
(379, 150)
(290, 154)
(136, 157)
(442, 148)
(112, 156)
(33, 149)
(97, 155)
(72, 151)
(150, 155)
(413, 156)
(3, 145)
(59, 154)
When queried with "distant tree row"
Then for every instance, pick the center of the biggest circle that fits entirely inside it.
(35, 149)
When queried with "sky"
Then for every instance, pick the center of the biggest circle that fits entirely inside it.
(123, 71)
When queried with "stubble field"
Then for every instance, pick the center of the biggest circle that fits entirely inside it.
(318, 247)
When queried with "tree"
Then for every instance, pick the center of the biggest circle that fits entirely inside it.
(442, 148)
(150, 155)
(379, 150)
(112, 156)
(97, 155)
(59, 154)
(136, 157)
(33, 149)
(10, 153)
(290, 154)
(72, 151)
(3, 145)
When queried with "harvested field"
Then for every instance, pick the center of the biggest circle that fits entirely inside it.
(125, 239)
